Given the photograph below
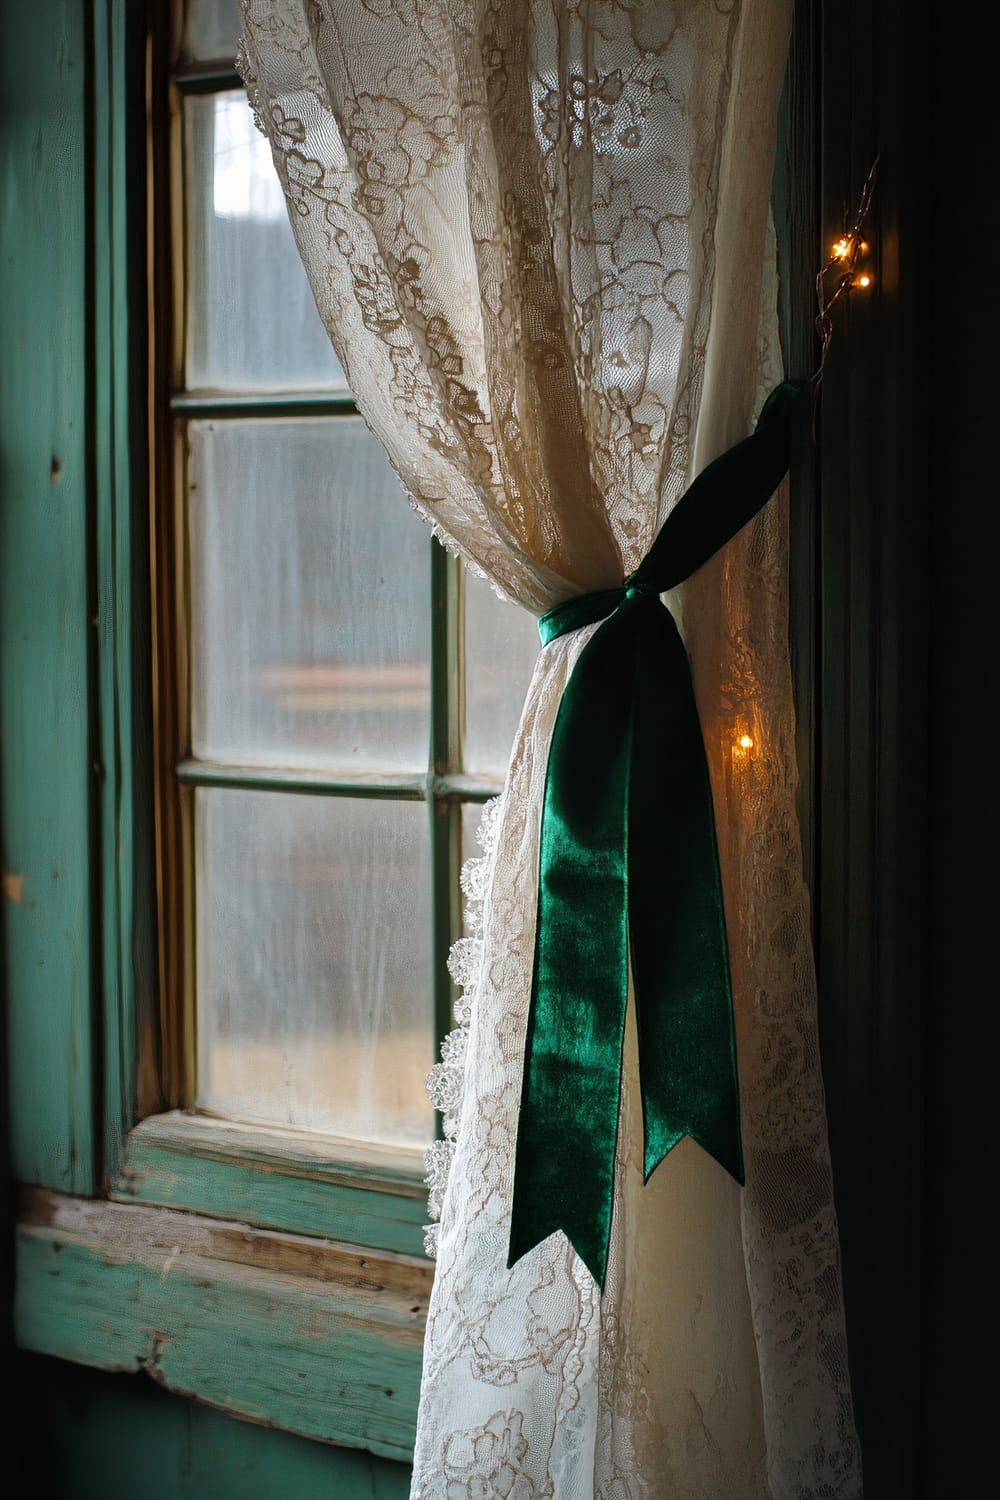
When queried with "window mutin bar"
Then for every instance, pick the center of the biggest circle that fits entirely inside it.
(449, 787)
(406, 787)
(239, 405)
(207, 78)
(460, 787)
(445, 758)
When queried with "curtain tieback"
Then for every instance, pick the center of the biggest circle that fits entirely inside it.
(629, 866)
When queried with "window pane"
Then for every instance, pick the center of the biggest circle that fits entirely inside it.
(252, 322)
(501, 645)
(313, 962)
(211, 29)
(310, 620)
(472, 816)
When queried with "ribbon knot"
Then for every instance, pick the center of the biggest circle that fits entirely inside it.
(629, 877)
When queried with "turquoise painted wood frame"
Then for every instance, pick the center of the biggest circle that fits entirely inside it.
(46, 601)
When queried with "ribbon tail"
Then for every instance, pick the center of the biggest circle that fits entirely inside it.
(568, 1126)
(629, 868)
(684, 1012)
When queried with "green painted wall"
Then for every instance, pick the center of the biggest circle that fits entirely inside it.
(93, 1436)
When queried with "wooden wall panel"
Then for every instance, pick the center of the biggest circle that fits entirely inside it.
(93, 1436)
(46, 608)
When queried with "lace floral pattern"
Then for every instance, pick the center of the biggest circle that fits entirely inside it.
(537, 232)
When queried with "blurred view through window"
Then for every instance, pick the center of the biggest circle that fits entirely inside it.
(345, 698)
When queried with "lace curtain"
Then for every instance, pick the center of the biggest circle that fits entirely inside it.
(537, 232)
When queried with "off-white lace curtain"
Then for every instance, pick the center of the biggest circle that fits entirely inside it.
(537, 231)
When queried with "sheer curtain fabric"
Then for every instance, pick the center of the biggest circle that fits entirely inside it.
(537, 232)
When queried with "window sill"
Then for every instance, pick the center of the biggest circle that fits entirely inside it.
(307, 1335)
(277, 1178)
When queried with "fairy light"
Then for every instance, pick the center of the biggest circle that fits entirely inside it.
(846, 271)
(746, 743)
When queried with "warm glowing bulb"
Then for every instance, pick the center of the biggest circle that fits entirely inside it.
(746, 743)
(864, 281)
(842, 249)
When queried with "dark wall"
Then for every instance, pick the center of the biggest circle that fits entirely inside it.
(906, 818)
(961, 1256)
(87, 1435)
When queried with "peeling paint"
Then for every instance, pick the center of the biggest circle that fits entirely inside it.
(151, 1362)
(174, 1253)
(323, 1354)
(13, 888)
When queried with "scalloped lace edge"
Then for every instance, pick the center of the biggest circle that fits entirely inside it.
(446, 1081)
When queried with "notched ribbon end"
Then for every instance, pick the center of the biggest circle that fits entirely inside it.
(729, 1156)
(627, 790)
(594, 1257)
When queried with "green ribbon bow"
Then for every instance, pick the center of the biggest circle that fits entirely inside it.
(629, 866)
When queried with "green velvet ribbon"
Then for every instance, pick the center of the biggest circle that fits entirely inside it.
(629, 868)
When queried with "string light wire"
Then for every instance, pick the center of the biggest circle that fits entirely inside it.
(846, 269)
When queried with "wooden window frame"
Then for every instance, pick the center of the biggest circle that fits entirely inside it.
(271, 1177)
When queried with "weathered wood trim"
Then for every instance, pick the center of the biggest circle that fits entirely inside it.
(47, 775)
(124, 838)
(280, 1179)
(168, 656)
(303, 1334)
(447, 735)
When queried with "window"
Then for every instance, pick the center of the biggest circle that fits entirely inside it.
(226, 1152)
(322, 750)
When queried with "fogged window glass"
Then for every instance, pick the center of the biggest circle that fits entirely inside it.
(211, 28)
(500, 652)
(314, 962)
(310, 599)
(252, 323)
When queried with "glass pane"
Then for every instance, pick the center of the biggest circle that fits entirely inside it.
(314, 963)
(472, 816)
(252, 322)
(310, 617)
(210, 29)
(501, 645)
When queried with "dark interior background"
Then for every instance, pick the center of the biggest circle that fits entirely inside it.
(896, 544)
